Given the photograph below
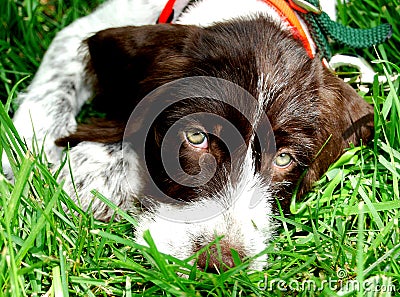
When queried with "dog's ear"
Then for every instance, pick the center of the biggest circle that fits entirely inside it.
(351, 114)
(129, 62)
(345, 118)
(125, 64)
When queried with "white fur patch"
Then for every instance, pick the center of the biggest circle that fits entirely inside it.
(207, 12)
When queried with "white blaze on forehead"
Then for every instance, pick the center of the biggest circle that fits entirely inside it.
(240, 213)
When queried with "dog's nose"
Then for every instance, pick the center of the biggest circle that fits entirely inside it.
(216, 259)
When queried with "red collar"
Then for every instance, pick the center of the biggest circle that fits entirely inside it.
(285, 9)
(167, 13)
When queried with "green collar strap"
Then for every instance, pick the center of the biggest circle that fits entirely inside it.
(322, 28)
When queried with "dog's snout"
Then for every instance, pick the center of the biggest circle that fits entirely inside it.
(217, 258)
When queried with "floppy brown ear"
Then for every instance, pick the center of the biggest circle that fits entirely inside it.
(129, 62)
(345, 117)
(125, 64)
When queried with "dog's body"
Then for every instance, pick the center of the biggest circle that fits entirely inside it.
(252, 48)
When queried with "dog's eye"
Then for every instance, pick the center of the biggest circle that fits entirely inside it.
(283, 160)
(197, 139)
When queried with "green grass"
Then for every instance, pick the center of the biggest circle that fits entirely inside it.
(344, 233)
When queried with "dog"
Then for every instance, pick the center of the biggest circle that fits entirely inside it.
(210, 122)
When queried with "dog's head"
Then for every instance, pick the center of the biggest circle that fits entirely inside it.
(249, 81)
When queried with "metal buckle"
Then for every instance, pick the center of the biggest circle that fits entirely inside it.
(307, 6)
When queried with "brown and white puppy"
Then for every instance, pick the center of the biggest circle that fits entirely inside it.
(207, 126)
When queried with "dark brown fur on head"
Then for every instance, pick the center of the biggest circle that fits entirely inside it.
(305, 104)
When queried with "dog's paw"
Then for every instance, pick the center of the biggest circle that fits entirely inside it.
(105, 168)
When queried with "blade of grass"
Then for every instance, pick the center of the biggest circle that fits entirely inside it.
(40, 224)
(360, 249)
